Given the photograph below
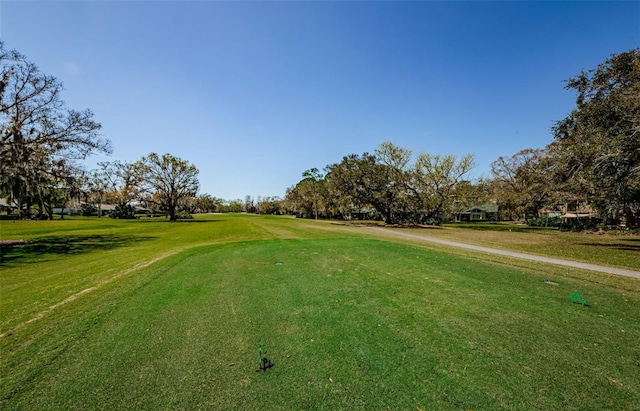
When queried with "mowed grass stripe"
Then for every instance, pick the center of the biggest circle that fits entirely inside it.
(349, 324)
(65, 258)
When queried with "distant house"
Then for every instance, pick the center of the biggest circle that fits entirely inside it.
(72, 208)
(106, 209)
(75, 208)
(6, 206)
(573, 208)
(483, 212)
(577, 208)
(359, 214)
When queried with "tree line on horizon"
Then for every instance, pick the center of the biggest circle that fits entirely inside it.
(594, 157)
(42, 142)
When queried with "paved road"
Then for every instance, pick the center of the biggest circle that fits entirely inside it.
(531, 257)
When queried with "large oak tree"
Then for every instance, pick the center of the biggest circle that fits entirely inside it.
(165, 181)
(39, 135)
(522, 183)
(434, 181)
(598, 144)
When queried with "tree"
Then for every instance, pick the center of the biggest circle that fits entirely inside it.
(398, 190)
(116, 182)
(362, 180)
(269, 205)
(434, 180)
(70, 186)
(205, 203)
(470, 193)
(315, 178)
(166, 180)
(101, 181)
(597, 146)
(232, 206)
(342, 184)
(37, 130)
(425, 189)
(395, 160)
(523, 183)
(298, 199)
(249, 204)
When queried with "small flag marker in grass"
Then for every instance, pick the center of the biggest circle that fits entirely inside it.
(264, 362)
(576, 297)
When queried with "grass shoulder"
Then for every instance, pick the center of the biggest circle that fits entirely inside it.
(612, 250)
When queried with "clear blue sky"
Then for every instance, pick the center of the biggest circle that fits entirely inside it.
(255, 93)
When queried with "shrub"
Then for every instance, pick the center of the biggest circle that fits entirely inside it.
(545, 222)
(88, 210)
(580, 224)
(433, 221)
(123, 211)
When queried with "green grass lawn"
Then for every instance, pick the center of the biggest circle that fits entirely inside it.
(152, 315)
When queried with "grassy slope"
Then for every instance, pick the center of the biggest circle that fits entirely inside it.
(349, 323)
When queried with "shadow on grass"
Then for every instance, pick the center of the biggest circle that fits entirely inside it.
(15, 251)
(619, 246)
(196, 221)
(498, 227)
(150, 220)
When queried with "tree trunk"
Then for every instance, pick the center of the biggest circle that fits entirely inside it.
(387, 216)
(629, 216)
(49, 210)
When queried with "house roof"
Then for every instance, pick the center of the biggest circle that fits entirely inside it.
(486, 207)
(578, 215)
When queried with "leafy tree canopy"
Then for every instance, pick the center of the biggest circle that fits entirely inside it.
(165, 181)
(597, 146)
(39, 135)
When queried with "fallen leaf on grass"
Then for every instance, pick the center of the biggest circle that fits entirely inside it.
(614, 381)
